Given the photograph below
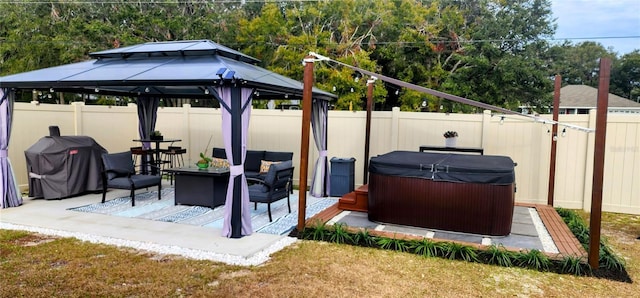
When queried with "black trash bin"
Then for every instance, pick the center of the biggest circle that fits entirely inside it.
(341, 179)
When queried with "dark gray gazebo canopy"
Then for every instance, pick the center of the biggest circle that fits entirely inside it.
(176, 69)
(162, 69)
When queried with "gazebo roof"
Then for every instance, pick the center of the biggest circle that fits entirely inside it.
(165, 69)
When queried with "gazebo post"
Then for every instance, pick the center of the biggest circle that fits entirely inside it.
(307, 85)
(236, 145)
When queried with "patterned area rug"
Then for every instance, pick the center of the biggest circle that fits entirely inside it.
(149, 207)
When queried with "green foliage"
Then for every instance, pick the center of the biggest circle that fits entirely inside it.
(318, 231)
(457, 251)
(574, 265)
(204, 159)
(364, 238)
(534, 259)
(392, 243)
(498, 255)
(339, 234)
(425, 247)
(609, 260)
(483, 50)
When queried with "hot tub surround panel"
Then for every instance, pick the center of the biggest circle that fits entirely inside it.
(468, 193)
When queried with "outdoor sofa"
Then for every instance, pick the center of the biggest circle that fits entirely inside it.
(256, 164)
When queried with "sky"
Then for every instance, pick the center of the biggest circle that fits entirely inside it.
(603, 21)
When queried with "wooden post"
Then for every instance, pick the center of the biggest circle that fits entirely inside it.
(307, 94)
(554, 142)
(598, 163)
(367, 135)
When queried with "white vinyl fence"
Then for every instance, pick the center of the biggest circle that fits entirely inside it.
(528, 143)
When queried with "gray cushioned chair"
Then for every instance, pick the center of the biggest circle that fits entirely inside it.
(274, 186)
(119, 172)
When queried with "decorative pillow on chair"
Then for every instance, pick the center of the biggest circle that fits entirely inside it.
(219, 162)
(265, 164)
(271, 175)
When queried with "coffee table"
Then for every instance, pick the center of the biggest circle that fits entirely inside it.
(200, 187)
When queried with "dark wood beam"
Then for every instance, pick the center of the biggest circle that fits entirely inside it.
(598, 163)
(367, 135)
(554, 138)
(307, 97)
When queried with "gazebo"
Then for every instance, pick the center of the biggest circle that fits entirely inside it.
(176, 69)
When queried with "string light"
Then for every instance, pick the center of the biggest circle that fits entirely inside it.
(564, 132)
(501, 120)
(334, 88)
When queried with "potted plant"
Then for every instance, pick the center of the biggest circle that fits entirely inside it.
(204, 161)
(156, 135)
(450, 138)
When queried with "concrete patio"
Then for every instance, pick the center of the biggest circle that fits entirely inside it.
(52, 217)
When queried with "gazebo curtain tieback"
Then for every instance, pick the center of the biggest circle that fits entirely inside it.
(236, 170)
(4, 153)
(323, 153)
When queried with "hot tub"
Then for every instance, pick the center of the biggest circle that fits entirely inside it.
(453, 192)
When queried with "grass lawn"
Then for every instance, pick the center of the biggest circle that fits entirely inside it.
(34, 265)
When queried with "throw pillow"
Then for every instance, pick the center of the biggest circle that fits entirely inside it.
(219, 162)
(265, 164)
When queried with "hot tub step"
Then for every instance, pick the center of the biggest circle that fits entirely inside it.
(355, 200)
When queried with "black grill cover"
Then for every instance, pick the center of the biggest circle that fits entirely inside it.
(498, 170)
(65, 166)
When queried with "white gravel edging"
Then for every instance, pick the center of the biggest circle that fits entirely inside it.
(257, 259)
(547, 242)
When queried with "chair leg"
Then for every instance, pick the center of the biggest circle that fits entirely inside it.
(104, 194)
(269, 209)
(133, 197)
(160, 190)
(289, 203)
(255, 206)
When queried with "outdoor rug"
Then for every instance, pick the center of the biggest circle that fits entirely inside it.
(149, 207)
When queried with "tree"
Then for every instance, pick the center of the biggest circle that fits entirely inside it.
(502, 64)
(577, 64)
(625, 76)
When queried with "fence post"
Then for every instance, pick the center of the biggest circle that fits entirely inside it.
(395, 127)
(78, 107)
(588, 162)
(486, 120)
(186, 130)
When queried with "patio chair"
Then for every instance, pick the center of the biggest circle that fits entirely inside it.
(119, 172)
(274, 186)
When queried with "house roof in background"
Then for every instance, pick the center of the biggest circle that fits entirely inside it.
(583, 96)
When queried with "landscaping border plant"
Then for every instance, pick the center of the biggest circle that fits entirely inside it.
(611, 265)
